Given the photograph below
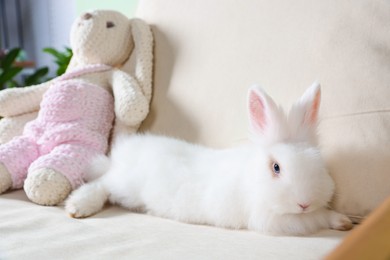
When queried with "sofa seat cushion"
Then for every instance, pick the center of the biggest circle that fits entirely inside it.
(29, 231)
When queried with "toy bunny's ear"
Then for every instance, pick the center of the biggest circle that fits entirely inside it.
(140, 62)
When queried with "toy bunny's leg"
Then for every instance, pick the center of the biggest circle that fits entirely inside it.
(15, 158)
(5, 179)
(46, 186)
(53, 176)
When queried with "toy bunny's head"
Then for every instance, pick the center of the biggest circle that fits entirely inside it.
(110, 38)
(101, 36)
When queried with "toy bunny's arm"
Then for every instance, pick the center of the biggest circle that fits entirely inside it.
(16, 101)
(131, 104)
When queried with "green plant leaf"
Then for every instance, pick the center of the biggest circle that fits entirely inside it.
(61, 70)
(59, 63)
(8, 71)
(55, 53)
(10, 58)
(9, 74)
(62, 59)
(37, 77)
(12, 84)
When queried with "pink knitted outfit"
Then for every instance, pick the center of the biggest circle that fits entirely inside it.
(73, 125)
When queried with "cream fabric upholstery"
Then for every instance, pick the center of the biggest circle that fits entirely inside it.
(29, 231)
(209, 52)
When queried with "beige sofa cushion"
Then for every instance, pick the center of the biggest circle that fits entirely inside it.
(209, 52)
(33, 232)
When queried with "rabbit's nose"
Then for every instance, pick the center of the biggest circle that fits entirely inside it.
(86, 16)
(304, 206)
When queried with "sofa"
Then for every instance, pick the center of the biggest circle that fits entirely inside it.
(207, 54)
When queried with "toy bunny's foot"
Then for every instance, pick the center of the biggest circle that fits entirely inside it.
(5, 179)
(47, 187)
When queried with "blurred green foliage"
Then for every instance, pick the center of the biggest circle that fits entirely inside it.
(62, 59)
(9, 70)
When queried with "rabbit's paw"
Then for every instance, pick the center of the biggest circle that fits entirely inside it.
(77, 208)
(47, 187)
(5, 179)
(340, 222)
(86, 201)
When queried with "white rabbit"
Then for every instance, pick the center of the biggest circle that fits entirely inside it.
(278, 184)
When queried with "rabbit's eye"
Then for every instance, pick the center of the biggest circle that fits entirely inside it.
(110, 24)
(276, 168)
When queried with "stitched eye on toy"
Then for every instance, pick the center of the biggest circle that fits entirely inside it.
(110, 24)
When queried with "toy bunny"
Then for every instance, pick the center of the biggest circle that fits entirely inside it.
(278, 184)
(78, 109)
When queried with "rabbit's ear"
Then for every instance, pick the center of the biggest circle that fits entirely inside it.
(303, 117)
(267, 120)
(140, 62)
(310, 102)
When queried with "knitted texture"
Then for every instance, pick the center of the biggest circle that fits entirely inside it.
(141, 68)
(17, 101)
(13, 126)
(16, 156)
(5, 179)
(93, 42)
(143, 39)
(76, 110)
(72, 126)
(41, 184)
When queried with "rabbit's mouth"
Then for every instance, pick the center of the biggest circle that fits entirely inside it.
(305, 211)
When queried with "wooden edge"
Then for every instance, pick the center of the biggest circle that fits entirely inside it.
(369, 240)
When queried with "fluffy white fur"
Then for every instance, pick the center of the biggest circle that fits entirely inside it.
(232, 188)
